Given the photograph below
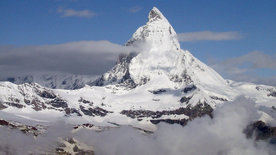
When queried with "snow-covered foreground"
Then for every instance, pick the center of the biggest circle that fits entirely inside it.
(222, 134)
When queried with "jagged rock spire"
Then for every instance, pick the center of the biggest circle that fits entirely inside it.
(155, 14)
(157, 33)
(161, 60)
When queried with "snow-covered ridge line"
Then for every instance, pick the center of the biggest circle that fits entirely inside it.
(53, 80)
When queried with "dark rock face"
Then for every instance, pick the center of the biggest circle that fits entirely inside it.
(85, 101)
(86, 112)
(37, 105)
(144, 81)
(28, 102)
(273, 94)
(2, 106)
(71, 140)
(158, 91)
(261, 130)
(85, 125)
(218, 98)
(76, 148)
(124, 61)
(199, 110)
(58, 103)
(182, 122)
(185, 99)
(59, 150)
(94, 111)
(184, 77)
(47, 94)
(43, 92)
(154, 15)
(122, 67)
(14, 102)
(69, 111)
(127, 81)
(49, 98)
(14, 105)
(189, 88)
(142, 113)
(23, 128)
(259, 88)
(4, 123)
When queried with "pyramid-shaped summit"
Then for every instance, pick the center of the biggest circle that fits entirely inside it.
(155, 14)
(161, 62)
(157, 33)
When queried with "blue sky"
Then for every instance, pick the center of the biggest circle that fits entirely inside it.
(48, 22)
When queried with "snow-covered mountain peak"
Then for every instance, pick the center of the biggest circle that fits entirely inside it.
(162, 62)
(155, 14)
(157, 34)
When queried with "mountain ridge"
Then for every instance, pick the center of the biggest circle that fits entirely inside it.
(161, 83)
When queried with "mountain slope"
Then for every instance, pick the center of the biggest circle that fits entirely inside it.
(161, 83)
(53, 80)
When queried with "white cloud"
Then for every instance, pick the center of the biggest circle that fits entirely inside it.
(76, 13)
(241, 68)
(82, 57)
(135, 9)
(257, 59)
(208, 35)
(17, 143)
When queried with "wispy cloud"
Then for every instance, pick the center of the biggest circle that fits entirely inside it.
(75, 13)
(241, 68)
(208, 35)
(257, 60)
(135, 9)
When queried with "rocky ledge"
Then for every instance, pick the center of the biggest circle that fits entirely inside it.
(261, 131)
(26, 129)
(199, 110)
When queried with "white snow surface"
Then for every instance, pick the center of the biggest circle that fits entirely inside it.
(160, 66)
(53, 80)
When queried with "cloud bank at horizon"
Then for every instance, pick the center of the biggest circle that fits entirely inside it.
(208, 35)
